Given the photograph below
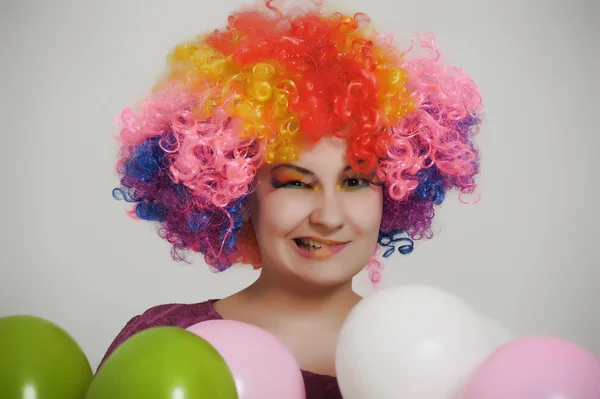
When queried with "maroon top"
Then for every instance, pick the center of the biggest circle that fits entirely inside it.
(318, 386)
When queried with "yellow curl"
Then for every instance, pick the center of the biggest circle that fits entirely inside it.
(259, 95)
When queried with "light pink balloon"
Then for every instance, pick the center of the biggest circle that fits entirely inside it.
(536, 368)
(261, 365)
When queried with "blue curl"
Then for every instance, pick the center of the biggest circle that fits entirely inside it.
(391, 238)
(182, 192)
(121, 195)
(151, 211)
(146, 161)
(236, 210)
(468, 122)
(431, 185)
(197, 221)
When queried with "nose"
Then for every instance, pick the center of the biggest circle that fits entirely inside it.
(328, 213)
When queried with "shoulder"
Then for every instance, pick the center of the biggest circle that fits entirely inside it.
(172, 314)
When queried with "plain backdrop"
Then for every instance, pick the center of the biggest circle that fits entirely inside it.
(526, 254)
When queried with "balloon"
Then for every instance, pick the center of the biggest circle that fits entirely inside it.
(499, 333)
(163, 363)
(536, 368)
(40, 360)
(261, 365)
(409, 342)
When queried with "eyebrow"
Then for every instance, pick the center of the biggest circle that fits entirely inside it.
(294, 167)
(303, 170)
(310, 173)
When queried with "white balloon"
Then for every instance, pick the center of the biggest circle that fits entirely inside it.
(414, 342)
(499, 333)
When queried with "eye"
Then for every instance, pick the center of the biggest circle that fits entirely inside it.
(291, 184)
(355, 182)
(295, 183)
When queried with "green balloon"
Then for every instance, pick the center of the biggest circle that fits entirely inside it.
(164, 363)
(40, 360)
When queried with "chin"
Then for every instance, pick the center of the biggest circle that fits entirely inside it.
(325, 274)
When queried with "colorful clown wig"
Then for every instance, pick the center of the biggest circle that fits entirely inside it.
(271, 84)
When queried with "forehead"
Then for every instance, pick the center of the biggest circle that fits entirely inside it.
(328, 154)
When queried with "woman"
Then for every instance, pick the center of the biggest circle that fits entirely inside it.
(299, 143)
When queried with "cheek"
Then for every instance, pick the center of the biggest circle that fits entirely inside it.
(364, 209)
(281, 211)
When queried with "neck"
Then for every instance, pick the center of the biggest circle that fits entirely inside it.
(287, 297)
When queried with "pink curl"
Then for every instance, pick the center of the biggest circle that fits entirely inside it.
(213, 160)
(436, 85)
(439, 131)
(154, 115)
(374, 268)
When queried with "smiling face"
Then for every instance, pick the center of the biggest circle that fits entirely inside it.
(315, 219)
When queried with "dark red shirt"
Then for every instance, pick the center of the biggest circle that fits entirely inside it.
(318, 386)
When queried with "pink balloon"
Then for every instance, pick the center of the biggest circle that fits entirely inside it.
(261, 365)
(536, 368)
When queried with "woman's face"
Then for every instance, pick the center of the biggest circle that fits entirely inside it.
(315, 218)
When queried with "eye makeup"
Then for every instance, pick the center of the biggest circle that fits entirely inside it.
(293, 177)
(353, 180)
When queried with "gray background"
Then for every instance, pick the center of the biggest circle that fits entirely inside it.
(525, 255)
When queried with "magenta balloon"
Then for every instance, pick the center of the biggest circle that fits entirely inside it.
(260, 363)
(536, 368)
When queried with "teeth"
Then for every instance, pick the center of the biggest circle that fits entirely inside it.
(311, 244)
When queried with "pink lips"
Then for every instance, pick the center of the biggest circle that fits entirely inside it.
(321, 253)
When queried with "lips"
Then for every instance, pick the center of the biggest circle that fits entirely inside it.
(315, 243)
(317, 248)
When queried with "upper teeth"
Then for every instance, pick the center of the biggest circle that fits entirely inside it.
(311, 243)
